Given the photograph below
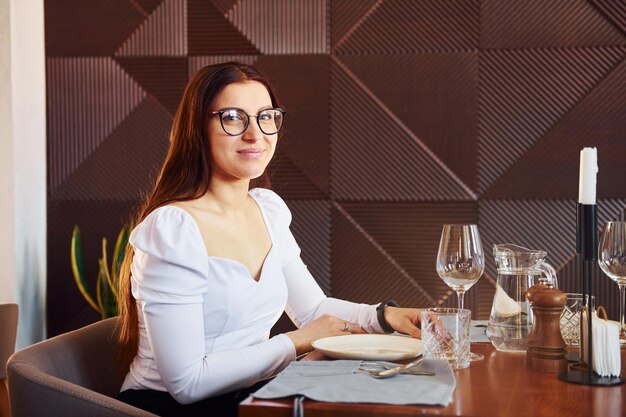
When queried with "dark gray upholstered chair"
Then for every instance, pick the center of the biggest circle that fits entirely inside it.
(70, 375)
(8, 334)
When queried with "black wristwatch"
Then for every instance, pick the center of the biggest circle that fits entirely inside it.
(380, 314)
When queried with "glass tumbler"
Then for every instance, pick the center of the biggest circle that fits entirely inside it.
(570, 318)
(446, 335)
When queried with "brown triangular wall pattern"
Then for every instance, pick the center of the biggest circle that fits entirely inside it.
(148, 6)
(162, 77)
(347, 15)
(407, 26)
(307, 111)
(443, 93)
(363, 272)
(87, 99)
(525, 93)
(549, 169)
(545, 24)
(88, 28)
(402, 115)
(363, 167)
(299, 28)
(413, 250)
(124, 156)
(311, 228)
(211, 33)
(613, 11)
(163, 33)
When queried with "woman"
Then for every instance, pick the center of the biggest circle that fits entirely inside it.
(213, 264)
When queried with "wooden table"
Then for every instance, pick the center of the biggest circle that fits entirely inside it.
(499, 386)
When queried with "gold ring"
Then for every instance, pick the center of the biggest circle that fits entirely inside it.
(345, 326)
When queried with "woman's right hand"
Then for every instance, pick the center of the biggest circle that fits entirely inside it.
(323, 326)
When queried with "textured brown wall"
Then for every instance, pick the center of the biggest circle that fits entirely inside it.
(402, 116)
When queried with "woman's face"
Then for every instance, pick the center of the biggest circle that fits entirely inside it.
(244, 156)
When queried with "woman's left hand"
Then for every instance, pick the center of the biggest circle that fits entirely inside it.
(404, 320)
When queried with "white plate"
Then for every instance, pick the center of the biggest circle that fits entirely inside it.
(373, 347)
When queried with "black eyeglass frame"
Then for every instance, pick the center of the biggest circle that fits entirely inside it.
(222, 111)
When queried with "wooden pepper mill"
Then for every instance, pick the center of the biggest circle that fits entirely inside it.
(546, 347)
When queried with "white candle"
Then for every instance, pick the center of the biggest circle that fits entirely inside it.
(587, 176)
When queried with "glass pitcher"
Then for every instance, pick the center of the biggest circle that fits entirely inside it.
(511, 318)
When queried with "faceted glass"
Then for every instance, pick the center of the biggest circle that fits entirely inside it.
(446, 335)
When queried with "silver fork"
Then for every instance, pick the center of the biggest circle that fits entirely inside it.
(387, 373)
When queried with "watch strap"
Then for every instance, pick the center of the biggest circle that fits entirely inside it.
(380, 315)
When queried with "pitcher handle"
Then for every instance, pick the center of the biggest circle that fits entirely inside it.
(550, 274)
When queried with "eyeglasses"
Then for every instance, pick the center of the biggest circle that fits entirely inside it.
(235, 121)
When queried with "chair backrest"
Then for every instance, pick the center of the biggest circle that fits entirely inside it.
(69, 375)
(8, 334)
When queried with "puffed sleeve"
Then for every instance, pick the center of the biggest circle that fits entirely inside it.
(169, 265)
(306, 301)
(169, 274)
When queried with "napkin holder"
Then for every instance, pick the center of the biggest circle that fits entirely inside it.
(606, 359)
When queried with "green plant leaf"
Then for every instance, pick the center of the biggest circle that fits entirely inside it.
(118, 256)
(106, 297)
(76, 256)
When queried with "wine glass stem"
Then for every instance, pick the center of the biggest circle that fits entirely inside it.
(460, 295)
(622, 293)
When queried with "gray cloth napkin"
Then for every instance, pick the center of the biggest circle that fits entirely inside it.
(338, 381)
(477, 331)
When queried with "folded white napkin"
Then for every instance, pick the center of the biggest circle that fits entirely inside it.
(606, 359)
(338, 381)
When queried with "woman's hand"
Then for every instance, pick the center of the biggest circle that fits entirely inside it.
(404, 320)
(323, 326)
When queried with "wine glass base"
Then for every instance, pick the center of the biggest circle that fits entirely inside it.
(476, 356)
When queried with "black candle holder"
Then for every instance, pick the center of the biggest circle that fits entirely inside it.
(587, 249)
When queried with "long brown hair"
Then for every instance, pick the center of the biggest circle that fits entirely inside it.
(185, 175)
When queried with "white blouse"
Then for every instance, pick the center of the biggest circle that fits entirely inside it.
(204, 322)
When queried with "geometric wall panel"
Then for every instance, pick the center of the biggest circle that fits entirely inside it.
(549, 169)
(88, 28)
(163, 77)
(197, 62)
(613, 11)
(546, 24)
(124, 156)
(210, 32)
(378, 157)
(435, 96)
(223, 5)
(406, 26)
(163, 33)
(408, 233)
(364, 273)
(305, 140)
(402, 116)
(299, 28)
(147, 6)
(347, 15)
(87, 99)
(525, 93)
(311, 228)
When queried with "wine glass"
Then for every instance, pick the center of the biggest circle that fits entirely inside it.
(612, 260)
(460, 260)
